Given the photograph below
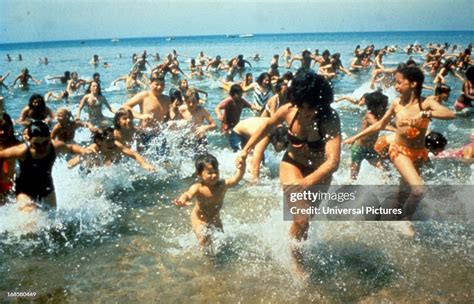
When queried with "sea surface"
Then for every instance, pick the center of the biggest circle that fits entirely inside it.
(115, 236)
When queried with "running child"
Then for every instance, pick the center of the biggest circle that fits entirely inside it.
(209, 193)
(65, 129)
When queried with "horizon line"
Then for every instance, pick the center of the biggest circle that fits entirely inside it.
(233, 34)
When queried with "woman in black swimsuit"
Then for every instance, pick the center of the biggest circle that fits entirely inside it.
(315, 142)
(34, 184)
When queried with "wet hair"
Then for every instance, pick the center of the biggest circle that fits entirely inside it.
(121, 113)
(262, 77)
(99, 90)
(279, 84)
(103, 134)
(67, 74)
(248, 75)
(442, 88)
(305, 53)
(235, 89)
(288, 76)
(326, 53)
(191, 94)
(376, 103)
(470, 73)
(412, 74)
(38, 128)
(96, 74)
(279, 137)
(310, 88)
(42, 105)
(6, 123)
(64, 110)
(176, 95)
(435, 141)
(157, 79)
(203, 160)
(411, 62)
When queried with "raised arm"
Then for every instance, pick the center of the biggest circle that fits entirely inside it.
(239, 174)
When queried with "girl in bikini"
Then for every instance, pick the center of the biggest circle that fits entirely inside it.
(407, 151)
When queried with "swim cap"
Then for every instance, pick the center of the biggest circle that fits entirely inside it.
(38, 129)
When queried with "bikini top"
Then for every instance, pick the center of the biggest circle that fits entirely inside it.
(296, 142)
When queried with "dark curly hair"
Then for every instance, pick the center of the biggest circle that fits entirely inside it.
(310, 88)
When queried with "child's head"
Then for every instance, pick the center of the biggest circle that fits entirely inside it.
(176, 97)
(443, 90)
(38, 135)
(191, 98)
(264, 79)
(376, 103)
(123, 119)
(235, 91)
(104, 138)
(414, 75)
(435, 142)
(63, 115)
(207, 169)
(279, 138)
(470, 74)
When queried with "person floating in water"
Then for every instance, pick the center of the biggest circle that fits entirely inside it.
(209, 193)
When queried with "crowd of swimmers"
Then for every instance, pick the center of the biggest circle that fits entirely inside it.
(292, 112)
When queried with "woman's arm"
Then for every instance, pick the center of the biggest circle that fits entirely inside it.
(330, 165)
(265, 129)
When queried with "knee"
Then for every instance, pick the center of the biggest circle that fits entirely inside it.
(418, 192)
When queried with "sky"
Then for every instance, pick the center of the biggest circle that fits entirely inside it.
(51, 20)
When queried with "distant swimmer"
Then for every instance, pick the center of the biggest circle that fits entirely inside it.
(209, 193)
(63, 79)
(23, 78)
(74, 83)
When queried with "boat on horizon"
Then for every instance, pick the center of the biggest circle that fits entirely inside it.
(114, 40)
(170, 38)
(246, 36)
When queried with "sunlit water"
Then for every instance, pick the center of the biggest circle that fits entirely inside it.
(116, 237)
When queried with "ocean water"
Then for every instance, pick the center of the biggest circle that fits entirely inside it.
(116, 237)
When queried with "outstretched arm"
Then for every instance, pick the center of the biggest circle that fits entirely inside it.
(186, 197)
(231, 182)
(133, 154)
